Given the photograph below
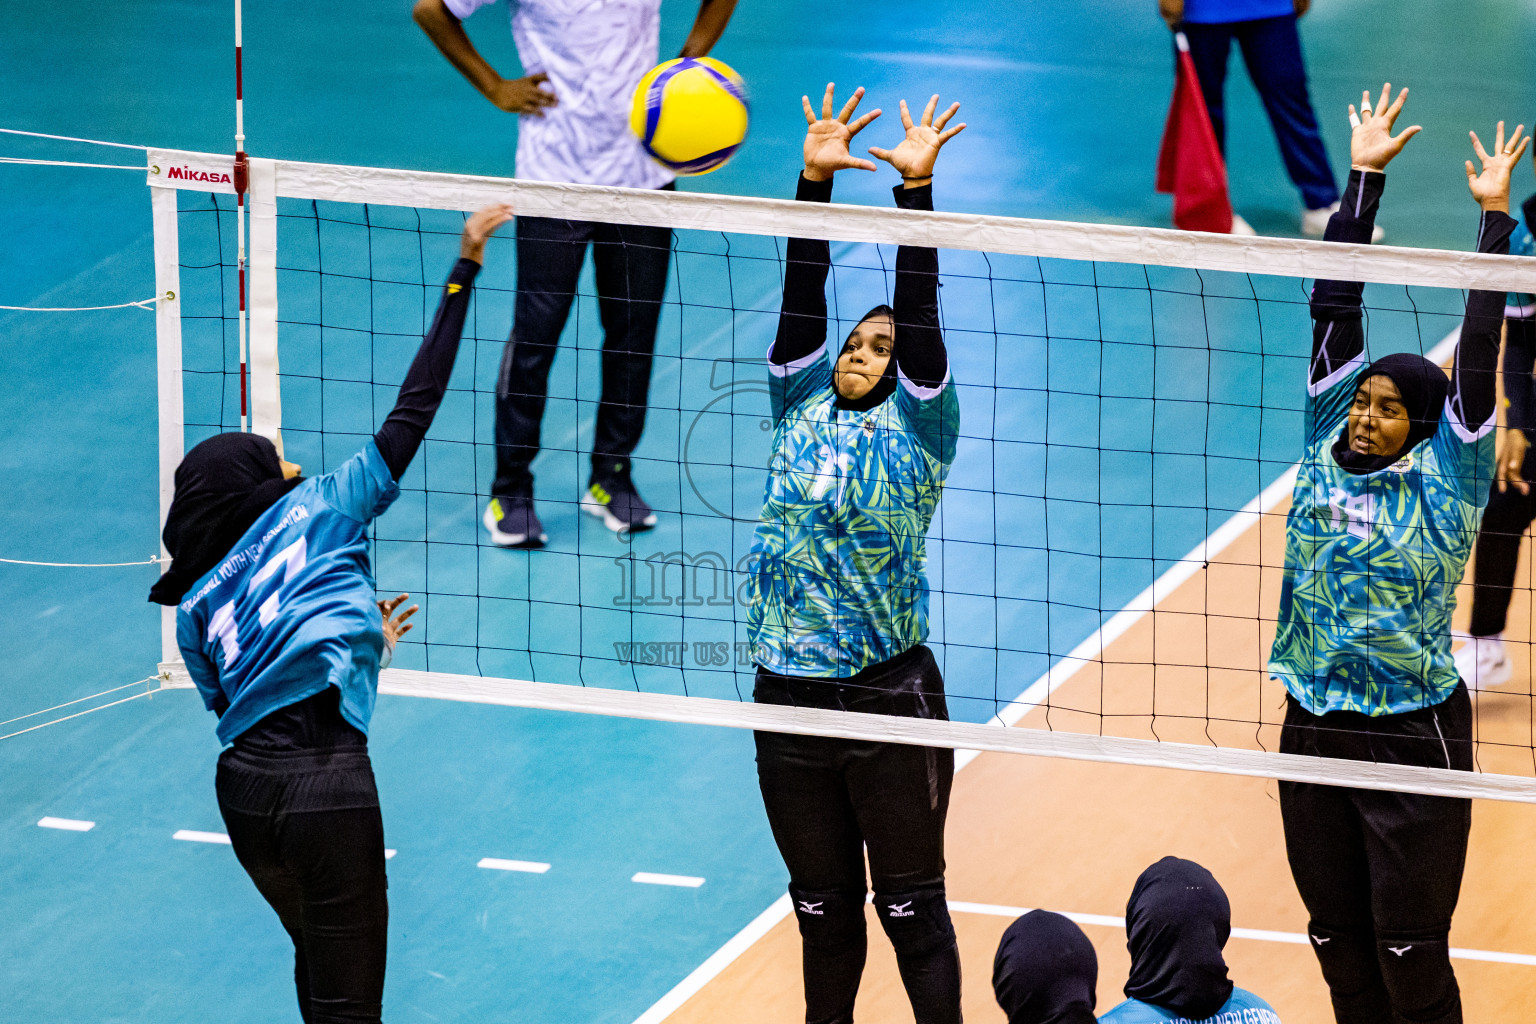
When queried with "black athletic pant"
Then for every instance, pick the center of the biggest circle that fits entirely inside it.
(631, 270)
(828, 800)
(304, 822)
(1380, 872)
(1508, 516)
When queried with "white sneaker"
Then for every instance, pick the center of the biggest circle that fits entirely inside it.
(1315, 222)
(1483, 662)
(1241, 227)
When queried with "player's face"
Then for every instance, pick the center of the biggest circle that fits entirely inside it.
(1378, 419)
(864, 357)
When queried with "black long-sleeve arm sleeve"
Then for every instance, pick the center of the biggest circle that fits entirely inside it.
(920, 352)
(807, 261)
(427, 379)
(1519, 384)
(1473, 395)
(1338, 332)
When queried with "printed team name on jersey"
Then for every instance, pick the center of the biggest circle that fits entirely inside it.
(1248, 1015)
(191, 174)
(246, 556)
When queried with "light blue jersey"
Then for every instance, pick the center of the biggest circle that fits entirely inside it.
(1243, 1008)
(838, 580)
(291, 609)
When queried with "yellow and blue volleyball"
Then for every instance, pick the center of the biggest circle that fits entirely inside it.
(690, 114)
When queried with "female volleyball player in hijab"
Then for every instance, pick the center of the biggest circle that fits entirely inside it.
(1483, 661)
(280, 631)
(1045, 971)
(838, 608)
(1383, 517)
(1177, 923)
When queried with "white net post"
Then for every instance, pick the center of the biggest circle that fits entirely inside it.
(168, 371)
(266, 401)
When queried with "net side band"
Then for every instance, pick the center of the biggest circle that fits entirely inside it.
(852, 725)
(1110, 243)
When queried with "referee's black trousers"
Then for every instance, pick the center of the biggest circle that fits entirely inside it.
(831, 800)
(1380, 872)
(298, 798)
(630, 264)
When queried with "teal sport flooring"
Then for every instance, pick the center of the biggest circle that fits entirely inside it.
(1111, 416)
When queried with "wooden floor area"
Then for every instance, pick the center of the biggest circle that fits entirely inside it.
(1073, 836)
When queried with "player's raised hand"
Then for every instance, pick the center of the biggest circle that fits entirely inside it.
(1490, 187)
(395, 626)
(827, 137)
(1372, 145)
(913, 157)
(481, 225)
(1509, 473)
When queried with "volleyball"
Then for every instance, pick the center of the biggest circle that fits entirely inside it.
(690, 114)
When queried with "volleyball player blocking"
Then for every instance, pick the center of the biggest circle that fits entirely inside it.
(582, 61)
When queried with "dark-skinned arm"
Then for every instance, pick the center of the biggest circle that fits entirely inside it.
(708, 27)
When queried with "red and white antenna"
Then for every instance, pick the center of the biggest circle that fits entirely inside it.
(242, 178)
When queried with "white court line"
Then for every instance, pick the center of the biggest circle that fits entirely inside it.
(1256, 934)
(194, 836)
(531, 867)
(1032, 696)
(652, 878)
(67, 824)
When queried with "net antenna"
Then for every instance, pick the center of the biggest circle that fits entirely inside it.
(241, 180)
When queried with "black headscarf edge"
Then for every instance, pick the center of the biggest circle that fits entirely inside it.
(223, 485)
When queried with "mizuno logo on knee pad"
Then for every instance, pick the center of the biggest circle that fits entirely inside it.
(810, 908)
(1320, 939)
(1399, 950)
(900, 909)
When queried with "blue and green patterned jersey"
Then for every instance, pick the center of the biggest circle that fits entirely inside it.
(838, 580)
(1372, 562)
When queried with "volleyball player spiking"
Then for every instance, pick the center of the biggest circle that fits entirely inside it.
(1383, 516)
(280, 632)
(839, 601)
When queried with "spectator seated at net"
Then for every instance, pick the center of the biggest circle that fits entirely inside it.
(1045, 971)
(1177, 923)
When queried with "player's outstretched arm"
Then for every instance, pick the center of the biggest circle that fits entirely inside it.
(529, 95)
(427, 379)
(1473, 387)
(803, 314)
(1338, 335)
(920, 352)
(708, 27)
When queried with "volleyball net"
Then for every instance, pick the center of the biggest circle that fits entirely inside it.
(1104, 567)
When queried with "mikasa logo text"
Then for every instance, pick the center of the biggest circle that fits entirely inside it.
(188, 174)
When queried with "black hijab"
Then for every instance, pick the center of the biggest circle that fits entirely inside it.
(1176, 923)
(1423, 386)
(1045, 971)
(885, 386)
(223, 485)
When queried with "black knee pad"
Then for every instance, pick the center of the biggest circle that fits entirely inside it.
(1418, 975)
(916, 922)
(829, 921)
(1348, 959)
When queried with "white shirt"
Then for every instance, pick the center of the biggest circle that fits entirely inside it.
(595, 53)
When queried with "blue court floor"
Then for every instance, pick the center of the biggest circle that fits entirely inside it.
(1098, 428)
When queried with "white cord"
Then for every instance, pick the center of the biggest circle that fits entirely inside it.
(81, 565)
(141, 304)
(71, 138)
(68, 163)
(87, 711)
